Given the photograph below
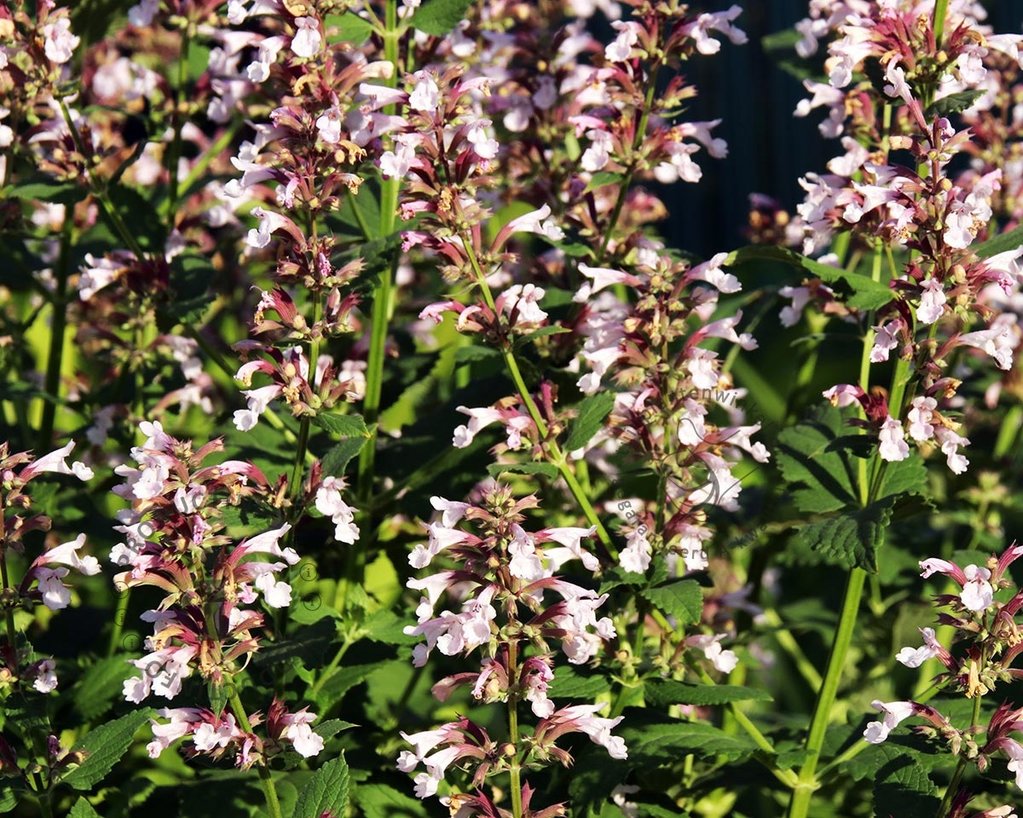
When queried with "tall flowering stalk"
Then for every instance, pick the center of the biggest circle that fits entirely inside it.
(515, 609)
(33, 757)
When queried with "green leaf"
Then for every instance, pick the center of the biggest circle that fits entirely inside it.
(682, 600)
(1002, 243)
(602, 178)
(589, 419)
(569, 684)
(954, 103)
(103, 748)
(903, 787)
(218, 697)
(326, 794)
(546, 469)
(8, 798)
(852, 538)
(865, 293)
(438, 17)
(471, 354)
(341, 681)
(662, 743)
(543, 332)
(342, 425)
(332, 727)
(669, 691)
(381, 801)
(819, 464)
(83, 809)
(350, 28)
(100, 685)
(337, 459)
(47, 191)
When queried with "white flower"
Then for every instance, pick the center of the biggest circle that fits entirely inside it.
(885, 341)
(894, 713)
(60, 43)
(920, 417)
(425, 94)
(621, 49)
(635, 557)
(46, 676)
(724, 660)
(932, 302)
(539, 222)
(330, 504)
(142, 13)
(328, 125)
(307, 40)
(977, 593)
(304, 740)
(914, 657)
(893, 446)
(998, 341)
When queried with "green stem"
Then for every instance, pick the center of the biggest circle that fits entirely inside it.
(265, 778)
(174, 155)
(803, 792)
(957, 776)
(940, 9)
(623, 190)
(12, 634)
(383, 307)
(55, 355)
(557, 457)
(513, 732)
(119, 618)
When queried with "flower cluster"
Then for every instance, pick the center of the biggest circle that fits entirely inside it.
(513, 604)
(208, 622)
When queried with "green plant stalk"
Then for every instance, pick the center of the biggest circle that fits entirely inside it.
(803, 792)
(55, 354)
(557, 457)
(12, 633)
(514, 766)
(383, 300)
(273, 804)
(940, 9)
(174, 154)
(957, 776)
(623, 190)
(802, 795)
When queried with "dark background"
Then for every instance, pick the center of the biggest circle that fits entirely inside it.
(769, 149)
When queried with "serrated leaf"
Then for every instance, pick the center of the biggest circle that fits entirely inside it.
(103, 748)
(344, 679)
(100, 685)
(342, 425)
(337, 459)
(589, 418)
(439, 17)
(851, 538)
(83, 809)
(47, 191)
(569, 684)
(817, 461)
(546, 469)
(954, 103)
(904, 788)
(865, 293)
(326, 794)
(669, 691)
(682, 600)
(661, 743)
(381, 801)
